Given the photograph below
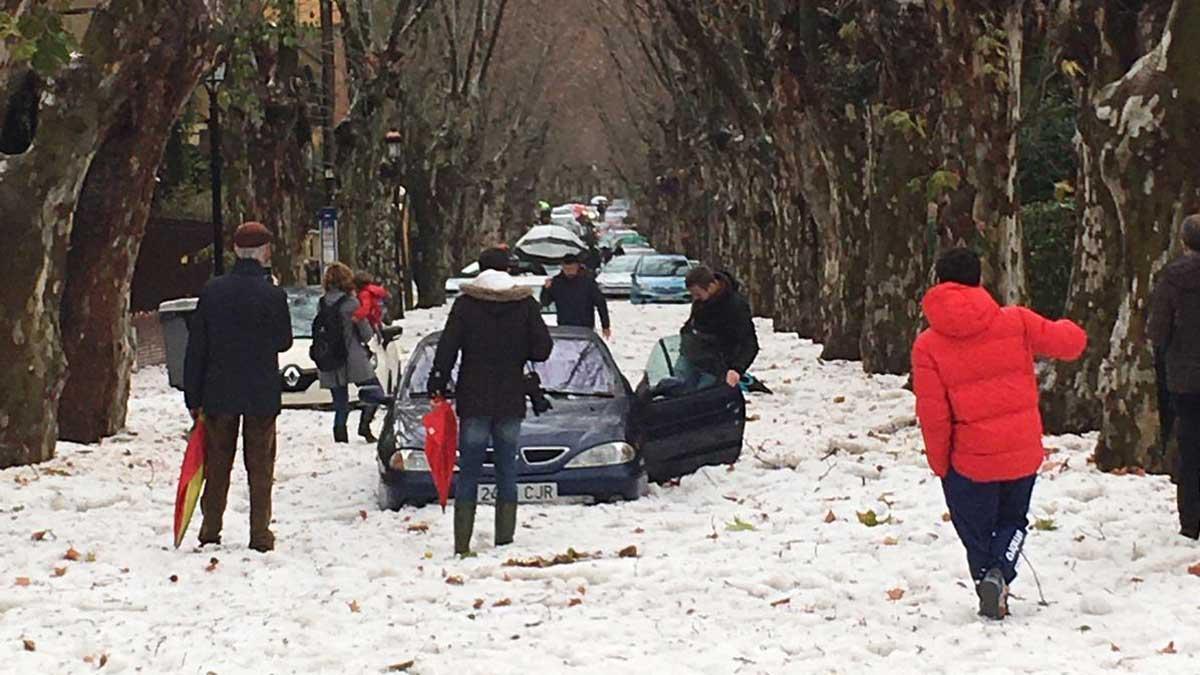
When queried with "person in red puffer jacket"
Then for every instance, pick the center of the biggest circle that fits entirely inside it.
(371, 300)
(977, 403)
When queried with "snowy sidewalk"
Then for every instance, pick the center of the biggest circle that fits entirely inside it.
(767, 567)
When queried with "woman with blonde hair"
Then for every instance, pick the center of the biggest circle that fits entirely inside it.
(336, 309)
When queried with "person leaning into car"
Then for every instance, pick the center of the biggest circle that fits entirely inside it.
(497, 327)
(577, 297)
(231, 377)
(721, 317)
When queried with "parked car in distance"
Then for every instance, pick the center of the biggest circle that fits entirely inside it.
(299, 377)
(616, 278)
(660, 279)
(600, 442)
(528, 274)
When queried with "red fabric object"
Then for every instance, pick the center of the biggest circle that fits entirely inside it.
(977, 394)
(191, 479)
(441, 446)
(370, 304)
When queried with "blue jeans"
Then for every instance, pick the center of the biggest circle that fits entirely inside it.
(341, 406)
(474, 433)
(990, 519)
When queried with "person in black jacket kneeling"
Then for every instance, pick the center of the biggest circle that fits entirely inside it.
(577, 297)
(497, 327)
(721, 318)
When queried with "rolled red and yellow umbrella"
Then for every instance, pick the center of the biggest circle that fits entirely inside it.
(191, 481)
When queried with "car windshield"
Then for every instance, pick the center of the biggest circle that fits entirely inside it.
(662, 267)
(622, 264)
(576, 367)
(302, 306)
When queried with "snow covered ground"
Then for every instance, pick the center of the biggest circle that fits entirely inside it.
(761, 568)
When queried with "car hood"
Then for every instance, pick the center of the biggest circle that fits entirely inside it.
(576, 424)
(614, 277)
(661, 282)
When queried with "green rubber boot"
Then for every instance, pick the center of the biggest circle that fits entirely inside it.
(506, 522)
(464, 523)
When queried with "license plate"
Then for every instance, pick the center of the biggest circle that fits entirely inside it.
(527, 493)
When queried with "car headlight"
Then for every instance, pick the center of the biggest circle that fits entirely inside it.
(605, 454)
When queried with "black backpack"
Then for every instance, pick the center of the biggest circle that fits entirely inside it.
(328, 348)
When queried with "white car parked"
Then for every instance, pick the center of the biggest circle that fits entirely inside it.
(298, 375)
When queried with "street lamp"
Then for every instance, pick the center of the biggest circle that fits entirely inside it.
(212, 83)
(395, 150)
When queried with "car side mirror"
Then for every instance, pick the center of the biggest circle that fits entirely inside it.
(390, 333)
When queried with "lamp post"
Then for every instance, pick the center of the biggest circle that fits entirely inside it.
(394, 141)
(212, 83)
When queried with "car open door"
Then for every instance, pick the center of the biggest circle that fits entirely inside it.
(682, 423)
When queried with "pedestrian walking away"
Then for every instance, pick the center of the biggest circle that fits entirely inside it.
(721, 327)
(341, 353)
(977, 404)
(577, 297)
(231, 377)
(1174, 330)
(497, 328)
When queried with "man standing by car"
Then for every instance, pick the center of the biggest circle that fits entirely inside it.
(977, 404)
(497, 328)
(1175, 332)
(721, 318)
(231, 377)
(577, 297)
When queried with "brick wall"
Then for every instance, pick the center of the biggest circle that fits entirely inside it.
(151, 348)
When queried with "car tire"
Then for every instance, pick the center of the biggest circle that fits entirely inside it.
(386, 498)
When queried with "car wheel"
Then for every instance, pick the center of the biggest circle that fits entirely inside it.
(386, 498)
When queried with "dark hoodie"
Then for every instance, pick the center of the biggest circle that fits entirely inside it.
(497, 327)
(1174, 324)
(724, 321)
(577, 300)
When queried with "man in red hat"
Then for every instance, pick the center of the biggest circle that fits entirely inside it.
(231, 377)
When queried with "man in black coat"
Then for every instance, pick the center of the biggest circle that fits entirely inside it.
(577, 297)
(1174, 329)
(231, 377)
(497, 327)
(721, 317)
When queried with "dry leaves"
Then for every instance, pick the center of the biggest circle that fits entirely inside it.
(571, 556)
(354, 606)
(478, 604)
(1169, 649)
(30, 645)
(60, 571)
(895, 594)
(362, 514)
(23, 581)
(628, 552)
(780, 603)
(503, 602)
(890, 541)
(400, 667)
(1194, 570)
(40, 535)
(946, 517)
(212, 565)
(830, 517)
(454, 580)
(418, 527)
(71, 554)
(575, 602)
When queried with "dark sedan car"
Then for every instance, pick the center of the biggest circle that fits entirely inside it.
(601, 441)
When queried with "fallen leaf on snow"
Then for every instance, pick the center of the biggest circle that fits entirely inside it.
(839, 399)
(400, 667)
(212, 565)
(174, 578)
(71, 554)
(739, 525)
(454, 580)
(871, 519)
(40, 535)
(1194, 569)
(90, 557)
(830, 517)
(354, 606)
(30, 645)
(946, 517)
(60, 571)
(571, 556)
(23, 581)
(890, 541)
(753, 418)
(1114, 647)
(362, 514)
(628, 552)
(895, 594)
(639, 531)
(504, 602)
(781, 602)
(1169, 649)
(418, 527)
(478, 604)
(575, 602)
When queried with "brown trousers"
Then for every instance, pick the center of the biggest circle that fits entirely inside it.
(258, 453)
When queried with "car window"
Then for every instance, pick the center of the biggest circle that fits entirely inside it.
(662, 267)
(575, 367)
(622, 264)
(663, 357)
(302, 307)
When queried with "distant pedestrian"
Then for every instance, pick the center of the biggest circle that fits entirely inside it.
(1174, 329)
(577, 297)
(231, 378)
(721, 324)
(372, 300)
(496, 327)
(977, 403)
(348, 361)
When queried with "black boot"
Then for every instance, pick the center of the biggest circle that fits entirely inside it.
(464, 523)
(340, 435)
(364, 425)
(993, 595)
(506, 522)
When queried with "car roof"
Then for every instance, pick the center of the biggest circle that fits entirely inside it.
(565, 332)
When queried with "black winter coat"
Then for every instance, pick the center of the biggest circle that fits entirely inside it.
(577, 300)
(497, 332)
(1175, 323)
(240, 326)
(725, 321)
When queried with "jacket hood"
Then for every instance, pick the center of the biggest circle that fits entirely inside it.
(376, 291)
(729, 281)
(959, 311)
(1184, 272)
(496, 286)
